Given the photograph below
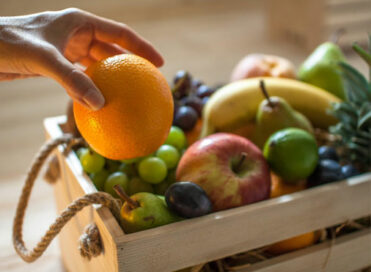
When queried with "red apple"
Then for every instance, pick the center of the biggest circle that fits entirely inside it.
(230, 168)
(256, 65)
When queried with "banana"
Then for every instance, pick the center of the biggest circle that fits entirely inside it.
(238, 102)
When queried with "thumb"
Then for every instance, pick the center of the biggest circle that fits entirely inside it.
(77, 84)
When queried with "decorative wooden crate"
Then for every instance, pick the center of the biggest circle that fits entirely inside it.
(194, 241)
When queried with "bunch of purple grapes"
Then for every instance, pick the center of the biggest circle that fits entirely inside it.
(190, 95)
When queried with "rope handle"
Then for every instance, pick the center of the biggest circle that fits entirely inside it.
(90, 243)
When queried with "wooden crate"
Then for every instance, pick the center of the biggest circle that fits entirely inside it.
(310, 23)
(194, 241)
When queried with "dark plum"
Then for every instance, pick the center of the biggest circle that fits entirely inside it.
(194, 102)
(204, 91)
(326, 171)
(187, 199)
(185, 118)
(182, 84)
(327, 152)
(349, 171)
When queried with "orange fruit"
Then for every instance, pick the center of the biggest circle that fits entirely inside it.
(294, 243)
(194, 134)
(279, 188)
(138, 110)
(246, 130)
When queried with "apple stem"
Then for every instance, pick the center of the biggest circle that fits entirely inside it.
(242, 159)
(120, 191)
(335, 36)
(265, 92)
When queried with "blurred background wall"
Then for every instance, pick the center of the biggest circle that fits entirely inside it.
(205, 37)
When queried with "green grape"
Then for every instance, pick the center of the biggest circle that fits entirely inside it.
(169, 154)
(137, 185)
(176, 138)
(130, 161)
(99, 179)
(91, 162)
(80, 151)
(116, 178)
(152, 170)
(128, 169)
(161, 188)
(112, 165)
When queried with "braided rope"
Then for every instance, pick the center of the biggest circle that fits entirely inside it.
(73, 208)
(90, 243)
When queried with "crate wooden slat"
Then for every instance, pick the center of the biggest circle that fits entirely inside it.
(207, 238)
(348, 253)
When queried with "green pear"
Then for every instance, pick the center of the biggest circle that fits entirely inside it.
(274, 113)
(143, 211)
(321, 69)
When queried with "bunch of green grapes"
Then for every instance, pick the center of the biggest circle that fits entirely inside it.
(153, 173)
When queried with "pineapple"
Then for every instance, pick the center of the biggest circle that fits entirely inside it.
(354, 114)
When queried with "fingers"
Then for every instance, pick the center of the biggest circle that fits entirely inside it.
(101, 50)
(87, 61)
(78, 85)
(109, 31)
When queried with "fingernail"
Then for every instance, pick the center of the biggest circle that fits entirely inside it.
(94, 99)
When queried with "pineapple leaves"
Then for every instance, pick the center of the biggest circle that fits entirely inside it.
(365, 116)
(362, 53)
(357, 88)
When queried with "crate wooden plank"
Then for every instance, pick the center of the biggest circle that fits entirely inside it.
(240, 229)
(348, 253)
(73, 184)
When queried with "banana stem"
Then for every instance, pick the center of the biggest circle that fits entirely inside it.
(243, 157)
(265, 92)
(118, 189)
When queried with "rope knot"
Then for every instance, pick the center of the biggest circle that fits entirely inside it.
(90, 242)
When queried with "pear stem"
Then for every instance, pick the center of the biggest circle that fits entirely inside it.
(335, 36)
(265, 92)
(120, 191)
(242, 159)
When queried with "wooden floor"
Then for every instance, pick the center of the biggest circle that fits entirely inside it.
(205, 37)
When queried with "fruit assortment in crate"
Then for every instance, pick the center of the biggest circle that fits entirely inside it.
(265, 135)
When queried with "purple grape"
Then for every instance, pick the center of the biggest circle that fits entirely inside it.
(349, 171)
(185, 118)
(194, 102)
(204, 91)
(205, 99)
(177, 105)
(182, 84)
(196, 83)
(327, 152)
(327, 171)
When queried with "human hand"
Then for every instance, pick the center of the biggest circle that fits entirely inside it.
(50, 43)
